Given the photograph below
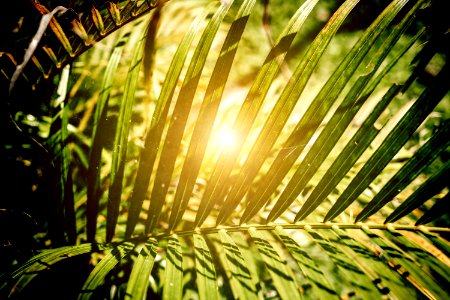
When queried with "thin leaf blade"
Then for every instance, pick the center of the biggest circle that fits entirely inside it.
(139, 277)
(205, 270)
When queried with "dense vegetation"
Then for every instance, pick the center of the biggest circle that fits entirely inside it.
(225, 149)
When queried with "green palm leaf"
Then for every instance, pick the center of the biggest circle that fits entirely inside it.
(155, 131)
(427, 190)
(177, 124)
(207, 114)
(206, 275)
(138, 283)
(360, 127)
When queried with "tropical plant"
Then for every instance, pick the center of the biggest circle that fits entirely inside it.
(226, 149)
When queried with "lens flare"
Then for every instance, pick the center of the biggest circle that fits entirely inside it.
(226, 139)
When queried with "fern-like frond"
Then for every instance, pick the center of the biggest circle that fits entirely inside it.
(215, 161)
(313, 260)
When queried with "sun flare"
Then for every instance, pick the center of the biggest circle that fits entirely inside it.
(225, 139)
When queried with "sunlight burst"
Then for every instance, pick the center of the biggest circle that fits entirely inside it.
(225, 139)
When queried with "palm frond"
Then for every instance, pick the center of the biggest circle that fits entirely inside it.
(333, 260)
(186, 215)
(70, 34)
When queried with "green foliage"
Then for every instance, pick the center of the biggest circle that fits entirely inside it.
(229, 149)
